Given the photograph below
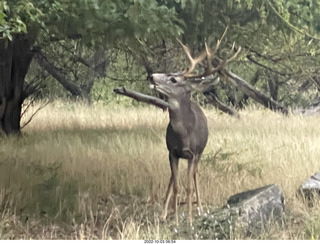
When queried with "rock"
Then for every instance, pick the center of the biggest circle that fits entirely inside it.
(310, 111)
(311, 187)
(258, 206)
(246, 213)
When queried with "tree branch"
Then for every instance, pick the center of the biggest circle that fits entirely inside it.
(252, 92)
(212, 98)
(31, 117)
(142, 97)
(250, 58)
(57, 74)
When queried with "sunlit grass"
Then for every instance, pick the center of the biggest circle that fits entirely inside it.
(101, 172)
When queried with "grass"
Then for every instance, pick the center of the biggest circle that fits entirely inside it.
(101, 172)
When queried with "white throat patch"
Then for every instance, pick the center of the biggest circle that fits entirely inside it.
(174, 104)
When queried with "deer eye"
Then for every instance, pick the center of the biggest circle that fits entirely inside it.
(173, 80)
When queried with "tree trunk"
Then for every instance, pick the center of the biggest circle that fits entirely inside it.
(15, 58)
(239, 83)
(273, 83)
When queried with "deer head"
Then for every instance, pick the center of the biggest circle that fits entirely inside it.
(174, 85)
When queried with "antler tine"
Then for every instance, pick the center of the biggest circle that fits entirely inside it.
(210, 55)
(235, 55)
(193, 61)
(186, 50)
(226, 61)
(219, 42)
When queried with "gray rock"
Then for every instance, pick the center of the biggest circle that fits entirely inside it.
(258, 206)
(246, 213)
(311, 187)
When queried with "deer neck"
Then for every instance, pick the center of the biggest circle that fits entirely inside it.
(179, 108)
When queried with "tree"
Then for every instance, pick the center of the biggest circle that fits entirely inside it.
(280, 47)
(75, 68)
(27, 26)
(279, 39)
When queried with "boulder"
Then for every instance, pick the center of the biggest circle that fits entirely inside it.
(311, 187)
(245, 214)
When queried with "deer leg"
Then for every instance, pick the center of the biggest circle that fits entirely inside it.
(166, 202)
(191, 168)
(173, 186)
(175, 169)
(196, 187)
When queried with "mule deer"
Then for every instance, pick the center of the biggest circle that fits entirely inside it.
(187, 132)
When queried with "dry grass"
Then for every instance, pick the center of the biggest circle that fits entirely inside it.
(97, 172)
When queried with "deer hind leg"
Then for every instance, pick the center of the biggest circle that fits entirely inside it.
(173, 186)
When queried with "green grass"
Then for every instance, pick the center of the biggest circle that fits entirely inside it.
(101, 172)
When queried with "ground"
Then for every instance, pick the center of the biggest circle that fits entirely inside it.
(101, 172)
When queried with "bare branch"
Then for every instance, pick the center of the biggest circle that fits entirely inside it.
(142, 97)
(250, 58)
(31, 117)
(239, 83)
(72, 87)
(212, 98)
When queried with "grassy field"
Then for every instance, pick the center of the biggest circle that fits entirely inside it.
(101, 172)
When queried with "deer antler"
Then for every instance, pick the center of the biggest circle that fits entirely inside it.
(210, 55)
(210, 70)
(193, 61)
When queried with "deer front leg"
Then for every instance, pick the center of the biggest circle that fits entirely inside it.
(191, 168)
(166, 201)
(197, 188)
(173, 186)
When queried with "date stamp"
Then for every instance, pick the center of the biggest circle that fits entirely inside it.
(159, 241)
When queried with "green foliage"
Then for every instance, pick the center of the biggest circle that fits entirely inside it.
(94, 21)
(10, 25)
(69, 31)
(122, 72)
(113, 22)
(278, 37)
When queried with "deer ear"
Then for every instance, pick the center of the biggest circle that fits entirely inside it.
(202, 84)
